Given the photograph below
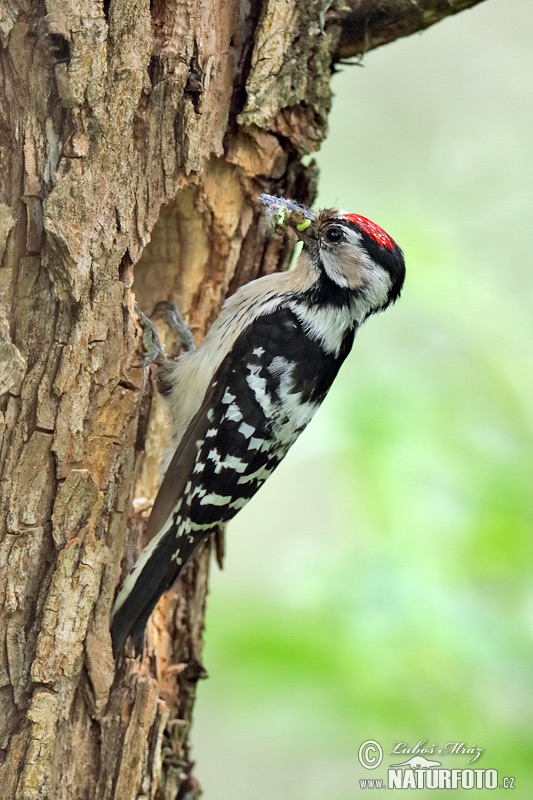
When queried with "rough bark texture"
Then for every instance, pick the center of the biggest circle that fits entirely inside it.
(135, 138)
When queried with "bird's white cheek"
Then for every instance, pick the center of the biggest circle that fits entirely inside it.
(378, 287)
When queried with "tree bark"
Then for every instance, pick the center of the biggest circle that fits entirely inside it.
(135, 138)
(367, 24)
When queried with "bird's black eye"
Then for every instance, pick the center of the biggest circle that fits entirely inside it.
(334, 235)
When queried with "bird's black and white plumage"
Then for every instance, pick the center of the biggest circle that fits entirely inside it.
(241, 400)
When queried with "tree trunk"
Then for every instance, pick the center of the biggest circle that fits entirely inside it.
(135, 138)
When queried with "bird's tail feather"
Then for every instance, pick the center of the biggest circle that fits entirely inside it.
(142, 589)
(154, 572)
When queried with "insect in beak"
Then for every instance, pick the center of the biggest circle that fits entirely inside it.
(288, 214)
(304, 230)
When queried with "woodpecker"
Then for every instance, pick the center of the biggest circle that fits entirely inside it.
(241, 399)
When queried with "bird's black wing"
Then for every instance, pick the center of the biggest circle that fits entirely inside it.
(256, 405)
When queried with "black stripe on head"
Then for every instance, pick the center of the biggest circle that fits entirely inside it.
(325, 292)
(381, 248)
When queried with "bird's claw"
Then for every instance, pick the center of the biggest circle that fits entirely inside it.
(150, 338)
(172, 316)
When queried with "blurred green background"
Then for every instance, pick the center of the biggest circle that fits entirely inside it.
(379, 586)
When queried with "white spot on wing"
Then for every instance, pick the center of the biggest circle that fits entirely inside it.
(214, 455)
(228, 397)
(240, 502)
(280, 365)
(229, 462)
(258, 387)
(246, 430)
(213, 499)
(234, 413)
(257, 444)
(233, 462)
(197, 526)
(260, 474)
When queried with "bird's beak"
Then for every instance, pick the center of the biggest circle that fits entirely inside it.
(304, 230)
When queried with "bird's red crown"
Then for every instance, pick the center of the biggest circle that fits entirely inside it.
(372, 230)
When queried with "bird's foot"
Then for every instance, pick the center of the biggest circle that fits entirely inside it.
(172, 316)
(152, 347)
